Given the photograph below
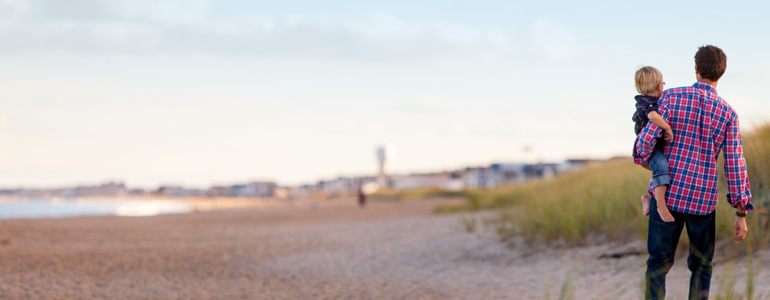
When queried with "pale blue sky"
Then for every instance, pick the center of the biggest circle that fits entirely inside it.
(199, 93)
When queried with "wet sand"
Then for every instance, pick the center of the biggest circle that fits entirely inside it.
(395, 250)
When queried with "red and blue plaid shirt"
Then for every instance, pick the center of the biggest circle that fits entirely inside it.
(703, 125)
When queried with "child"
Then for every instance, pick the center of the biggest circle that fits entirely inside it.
(649, 83)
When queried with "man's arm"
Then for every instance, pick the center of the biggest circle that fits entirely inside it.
(739, 189)
(645, 143)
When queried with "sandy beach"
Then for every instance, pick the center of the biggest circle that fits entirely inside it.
(389, 250)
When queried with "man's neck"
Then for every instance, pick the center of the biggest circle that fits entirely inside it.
(708, 81)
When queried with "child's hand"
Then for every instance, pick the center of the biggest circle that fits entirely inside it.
(668, 134)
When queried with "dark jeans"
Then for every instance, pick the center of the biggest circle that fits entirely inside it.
(662, 240)
(658, 163)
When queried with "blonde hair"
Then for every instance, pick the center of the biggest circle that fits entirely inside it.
(647, 80)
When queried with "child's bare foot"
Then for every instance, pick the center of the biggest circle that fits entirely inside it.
(646, 198)
(665, 214)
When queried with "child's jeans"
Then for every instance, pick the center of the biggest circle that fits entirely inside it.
(658, 163)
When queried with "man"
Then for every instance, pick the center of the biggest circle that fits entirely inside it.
(703, 125)
(361, 197)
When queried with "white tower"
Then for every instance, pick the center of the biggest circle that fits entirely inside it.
(385, 155)
(382, 157)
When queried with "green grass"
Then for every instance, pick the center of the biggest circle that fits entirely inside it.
(604, 199)
(726, 288)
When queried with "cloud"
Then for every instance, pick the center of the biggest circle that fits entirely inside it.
(548, 40)
(176, 11)
(11, 10)
(187, 27)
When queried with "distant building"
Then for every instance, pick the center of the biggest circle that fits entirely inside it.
(10, 192)
(477, 178)
(574, 164)
(178, 191)
(507, 173)
(107, 189)
(340, 187)
(136, 192)
(483, 177)
(420, 181)
(455, 181)
(253, 189)
(545, 171)
(219, 191)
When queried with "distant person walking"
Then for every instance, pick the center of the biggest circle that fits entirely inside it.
(361, 197)
(703, 124)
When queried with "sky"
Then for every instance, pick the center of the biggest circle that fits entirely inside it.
(196, 93)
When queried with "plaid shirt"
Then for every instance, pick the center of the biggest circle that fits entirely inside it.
(703, 125)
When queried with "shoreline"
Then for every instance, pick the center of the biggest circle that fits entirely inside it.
(56, 208)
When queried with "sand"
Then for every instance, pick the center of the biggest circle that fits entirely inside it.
(395, 250)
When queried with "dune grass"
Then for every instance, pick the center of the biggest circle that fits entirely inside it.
(604, 199)
(756, 146)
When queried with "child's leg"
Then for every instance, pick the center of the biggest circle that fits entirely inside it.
(660, 179)
(646, 204)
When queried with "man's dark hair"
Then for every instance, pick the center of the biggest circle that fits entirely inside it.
(710, 62)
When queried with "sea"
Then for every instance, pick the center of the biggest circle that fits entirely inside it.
(65, 208)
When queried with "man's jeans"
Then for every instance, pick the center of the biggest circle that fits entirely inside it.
(662, 240)
(658, 163)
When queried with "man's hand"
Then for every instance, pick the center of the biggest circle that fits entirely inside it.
(668, 134)
(740, 229)
(644, 165)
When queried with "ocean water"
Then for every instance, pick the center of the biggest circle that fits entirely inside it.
(35, 209)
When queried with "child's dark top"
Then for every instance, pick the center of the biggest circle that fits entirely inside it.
(644, 105)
